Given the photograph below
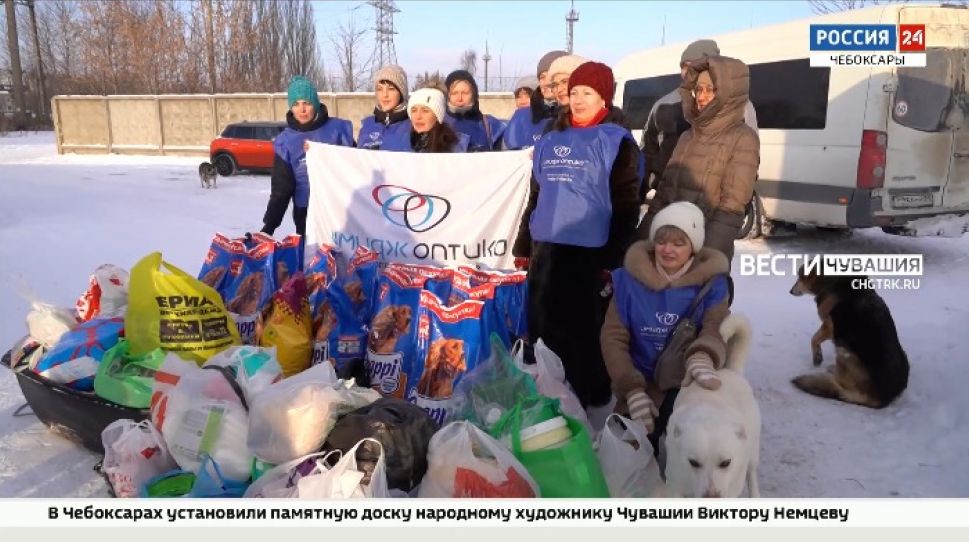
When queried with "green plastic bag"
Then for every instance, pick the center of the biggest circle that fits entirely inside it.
(490, 390)
(125, 379)
(571, 470)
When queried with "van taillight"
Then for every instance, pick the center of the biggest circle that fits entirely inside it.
(871, 161)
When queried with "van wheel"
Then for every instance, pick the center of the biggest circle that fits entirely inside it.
(751, 228)
(224, 164)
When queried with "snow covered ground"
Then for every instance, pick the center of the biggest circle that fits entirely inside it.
(62, 216)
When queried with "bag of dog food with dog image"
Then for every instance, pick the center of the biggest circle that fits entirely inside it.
(75, 359)
(463, 289)
(391, 341)
(288, 325)
(450, 342)
(250, 284)
(360, 281)
(437, 279)
(320, 273)
(218, 260)
(511, 294)
(287, 259)
(339, 337)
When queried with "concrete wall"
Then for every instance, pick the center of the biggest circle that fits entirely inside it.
(186, 124)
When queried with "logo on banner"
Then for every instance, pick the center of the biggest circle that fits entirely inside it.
(406, 208)
(562, 151)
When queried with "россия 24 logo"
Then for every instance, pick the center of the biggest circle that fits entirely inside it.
(406, 208)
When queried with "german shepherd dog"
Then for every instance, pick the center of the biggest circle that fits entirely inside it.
(208, 175)
(871, 368)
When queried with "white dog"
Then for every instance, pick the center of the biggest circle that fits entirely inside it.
(713, 437)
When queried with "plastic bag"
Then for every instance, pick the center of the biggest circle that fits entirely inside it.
(404, 429)
(175, 312)
(288, 326)
(255, 367)
(550, 380)
(293, 418)
(465, 462)
(106, 295)
(125, 379)
(348, 480)
(133, 454)
(48, 323)
(627, 459)
(210, 484)
(75, 359)
(280, 481)
(202, 412)
(567, 470)
(490, 390)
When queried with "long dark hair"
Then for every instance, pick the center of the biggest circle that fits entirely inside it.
(441, 138)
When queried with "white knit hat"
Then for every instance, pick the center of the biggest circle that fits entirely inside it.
(685, 216)
(431, 98)
(566, 64)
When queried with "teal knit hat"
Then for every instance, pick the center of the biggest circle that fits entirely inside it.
(301, 88)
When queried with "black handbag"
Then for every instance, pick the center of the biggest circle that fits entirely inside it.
(671, 363)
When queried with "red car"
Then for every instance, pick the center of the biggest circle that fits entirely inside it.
(245, 145)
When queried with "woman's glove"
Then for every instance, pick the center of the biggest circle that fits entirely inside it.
(699, 367)
(642, 409)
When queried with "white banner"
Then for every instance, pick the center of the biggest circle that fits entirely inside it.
(445, 209)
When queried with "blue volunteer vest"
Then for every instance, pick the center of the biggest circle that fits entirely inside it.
(399, 141)
(289, 146)
(372, 133)
(572, 168)
(475, 131)
(521, 132)
(650, 315)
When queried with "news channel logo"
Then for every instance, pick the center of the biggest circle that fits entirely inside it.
(867, 45)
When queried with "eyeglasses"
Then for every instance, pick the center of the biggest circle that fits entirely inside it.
(700, 90)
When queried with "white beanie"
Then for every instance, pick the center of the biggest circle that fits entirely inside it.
(431, 98)
(566, 64)
(685, 216)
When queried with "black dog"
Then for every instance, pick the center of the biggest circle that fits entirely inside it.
(871, 368)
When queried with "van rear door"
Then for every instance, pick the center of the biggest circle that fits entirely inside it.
(925, 168)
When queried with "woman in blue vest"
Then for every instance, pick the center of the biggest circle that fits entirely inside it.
(464, 114)
(390, 114)
(580, 218)
(528, 124)
(307, 121)
(426, 131)
(659, 281)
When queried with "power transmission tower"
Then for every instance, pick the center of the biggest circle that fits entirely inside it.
(571, 18)
(384, 31)
(486, 58)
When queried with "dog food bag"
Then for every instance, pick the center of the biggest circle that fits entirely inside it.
(450, 342)
(218, 260)
(106, 295)
(392, 340)
(287, 259)
(339, 337)
(75, 359)
(288, 326)
(463, 289)
(320, 273)
(437, 279)
(511, 294)
(360, 281)
(250, 285)
(175, 312)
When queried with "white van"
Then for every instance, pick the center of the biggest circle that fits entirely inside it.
(847, 146)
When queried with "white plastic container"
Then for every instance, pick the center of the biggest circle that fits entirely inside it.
(548, 434)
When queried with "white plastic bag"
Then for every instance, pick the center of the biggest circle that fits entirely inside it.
(133, 454)
(345, 481)
(293, 417)
(45, 322)
(465, 462)
(255, 367)
(198, 412)
(549, 375)
(106, 295)
(280, 481)
(627, 459)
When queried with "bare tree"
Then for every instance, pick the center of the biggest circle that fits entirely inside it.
(299, 41)
(429, 80)
(469, 61)
(348, 46)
